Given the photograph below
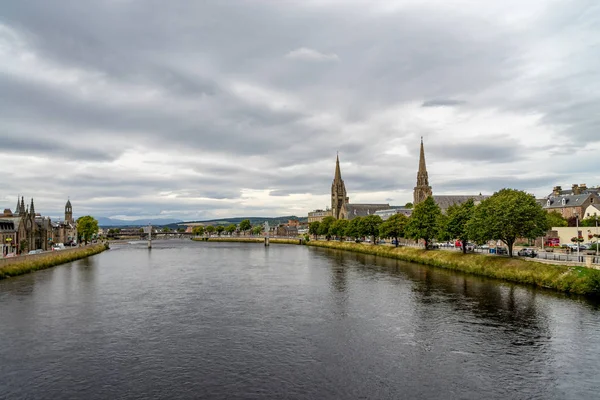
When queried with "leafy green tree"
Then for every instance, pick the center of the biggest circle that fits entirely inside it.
(198, 230)
(230, 229)
(589, 221)
(245, 225)
(324, 227)
(394, 227)
(313, 228)
(508, 215)
(338, 228)
(408, 205)
(443, 234)
(181, 230)
(369, 226)
(257, 230)
(555, 219)
(424, 221)
(210, 229)
(459, 216)
(220, 229)
(87, 227)
(166, 229)
(353, 229)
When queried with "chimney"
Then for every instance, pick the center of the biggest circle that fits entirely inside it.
(583, 187)
(575, 188)
(556, 191)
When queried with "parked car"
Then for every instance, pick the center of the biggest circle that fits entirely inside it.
(527, 253)
(501, 251)
(38, 251)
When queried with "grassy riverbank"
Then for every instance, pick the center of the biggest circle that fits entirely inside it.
(248, 240)
(578, 280)
(25, 264)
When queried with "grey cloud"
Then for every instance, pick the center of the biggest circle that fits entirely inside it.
(442, 103)
(489, 152)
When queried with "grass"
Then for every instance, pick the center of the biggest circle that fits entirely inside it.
(25, 265)
(248, 240)
(577, 280)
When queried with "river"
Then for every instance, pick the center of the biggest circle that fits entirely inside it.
(190, 320)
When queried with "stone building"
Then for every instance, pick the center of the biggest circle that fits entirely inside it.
(8, 234)
(423, 190)
(573, 202)
(65, 231)
(341, 208)
(318, 215)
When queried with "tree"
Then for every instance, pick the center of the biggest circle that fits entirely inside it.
(230, 229)
(181, 230)
(87, 227)
(369, 226)
(393, 227)
(257, 230)
(459, 216)
(353, 229)
(245, 225)
(324, 227)
(589, 221)
(313, 228)
(198, 230)
(555, 219)
(220, 229)
(408, 205)
(424, 221)
(338, 228)
(166, 229)
(508, 215)
(210, 229)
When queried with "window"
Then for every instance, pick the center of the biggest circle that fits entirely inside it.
(564, 201)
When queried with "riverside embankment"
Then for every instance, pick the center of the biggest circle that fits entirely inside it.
(247, 240)
(29, 263)
(570, 279)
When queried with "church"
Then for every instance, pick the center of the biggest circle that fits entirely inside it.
(423, 190)
(341, 208)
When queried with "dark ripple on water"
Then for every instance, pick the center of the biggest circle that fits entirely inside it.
(226, 320)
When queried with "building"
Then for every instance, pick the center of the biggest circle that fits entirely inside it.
(341, 208)
(593, 210)
(571, 203)
(385, 214)
(422, 190)
(65, 231)
(318, 215)
(8, 235)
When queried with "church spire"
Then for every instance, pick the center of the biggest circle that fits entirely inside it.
(31, 208)
(22, 209)
(338, 192)
(422, 190)
(18, 209)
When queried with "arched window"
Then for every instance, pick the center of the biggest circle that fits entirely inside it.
(564, 201)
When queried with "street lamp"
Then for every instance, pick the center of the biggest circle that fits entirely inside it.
(577, 234)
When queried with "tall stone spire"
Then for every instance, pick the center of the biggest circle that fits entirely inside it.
(338, 191)
(22, 209)
(31, 208)
(422, 190)
(18, 209)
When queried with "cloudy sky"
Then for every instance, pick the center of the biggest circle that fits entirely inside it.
(201, 109)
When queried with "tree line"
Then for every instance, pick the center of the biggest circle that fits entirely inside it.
(507, 215)
(244, 227)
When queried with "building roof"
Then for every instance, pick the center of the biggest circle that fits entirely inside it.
(362, 210)
(569, 200)
(445, 202)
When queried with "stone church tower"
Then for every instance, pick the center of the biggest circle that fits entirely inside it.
(68, 212)
(422, 190)
(338, 192)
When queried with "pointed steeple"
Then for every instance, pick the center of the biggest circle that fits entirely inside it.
(32, 208)
(18, 209)
(22, 209)
(338, 191)
(422, 190)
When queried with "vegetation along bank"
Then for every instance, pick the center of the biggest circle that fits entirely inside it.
(21, 265)
(577, 280)
(247, 240)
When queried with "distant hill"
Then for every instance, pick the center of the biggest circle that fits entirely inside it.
(236, 220)
(108, 222)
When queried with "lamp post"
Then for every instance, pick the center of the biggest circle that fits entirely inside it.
(577, 234)
(597, 236)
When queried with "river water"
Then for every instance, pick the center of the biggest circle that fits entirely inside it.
(190, 320)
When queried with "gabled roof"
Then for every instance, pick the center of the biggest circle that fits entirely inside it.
(362, 210)
(445, 202)
(569, 200)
